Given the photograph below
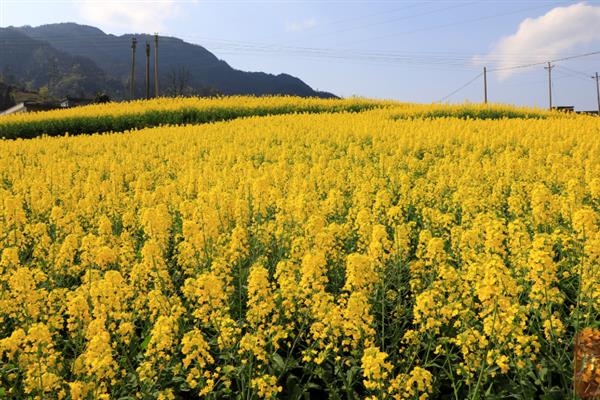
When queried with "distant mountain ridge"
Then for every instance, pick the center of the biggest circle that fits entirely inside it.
(102, 62)
(39, 64)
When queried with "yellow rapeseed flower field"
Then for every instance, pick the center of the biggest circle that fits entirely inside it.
(404, 252)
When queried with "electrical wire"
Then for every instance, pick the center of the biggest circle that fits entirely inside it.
(396, 19)
(462, 22)
(460, 88)
(593, 53)
(448, 59)
(570, 75)
(575, 71)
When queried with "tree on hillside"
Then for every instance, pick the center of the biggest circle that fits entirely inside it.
(6, 100)
(178, 81)
(7, 76)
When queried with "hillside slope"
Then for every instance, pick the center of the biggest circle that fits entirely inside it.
(178, 59)
(36, 64)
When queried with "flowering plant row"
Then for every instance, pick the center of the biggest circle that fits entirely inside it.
(119, 117)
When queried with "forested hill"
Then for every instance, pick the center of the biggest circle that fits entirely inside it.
(76, 59)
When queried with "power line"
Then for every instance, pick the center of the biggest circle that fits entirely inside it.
(132, 79)
(547, 81)
(156, 93)
(251, 47)
(362, 18)
(593, 53)
(561, 69)
(147, 70)
(442, 59)
(597, 91)
(418, 57)
(549, 68)
(460, 88)
(386, 12)
(401, 18)
(535, 82)
(574, 71)
(347, 55)
(435, 27)
(450, 58)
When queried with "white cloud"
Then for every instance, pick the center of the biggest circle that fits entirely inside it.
(554, 34)
(299, 26)
(128, 15)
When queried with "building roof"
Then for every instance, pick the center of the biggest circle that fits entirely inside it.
(28, 106)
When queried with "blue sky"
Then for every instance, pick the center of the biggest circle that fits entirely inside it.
(417, 51)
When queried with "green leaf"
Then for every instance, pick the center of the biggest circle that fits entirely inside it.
(145, 342)
(279, 363)
(350, 375)
(292, 387)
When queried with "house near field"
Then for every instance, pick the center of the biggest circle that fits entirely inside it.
(572, 109)
(564, 108)
(69, 102)
(6, 100)
(40, 105)
(30, 106)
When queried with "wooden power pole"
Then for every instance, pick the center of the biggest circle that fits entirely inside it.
(485, 85)
(147, 70)
(132, 80)
(156, 65)
(597, 92)
(549, 68)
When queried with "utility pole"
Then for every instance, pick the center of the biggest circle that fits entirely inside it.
(549, 68)
(156, 65)
(147, 70)
(132, 80)
(597, 92)
(485, 85)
